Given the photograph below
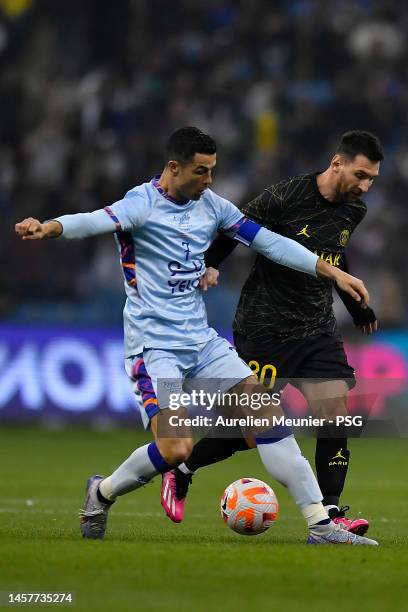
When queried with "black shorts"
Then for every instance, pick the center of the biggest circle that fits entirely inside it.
(320, 357)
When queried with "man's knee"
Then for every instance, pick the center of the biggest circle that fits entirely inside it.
(175, 451)
(257, 402)
(326, 399)
(250, 441)
(329, 409)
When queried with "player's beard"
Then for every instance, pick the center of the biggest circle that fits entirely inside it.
(347, 196)
(198, 195)
(354, 195)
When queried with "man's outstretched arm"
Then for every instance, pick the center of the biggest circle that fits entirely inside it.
(290, 253)
(76, 226)
(130, 212)
(33, 229)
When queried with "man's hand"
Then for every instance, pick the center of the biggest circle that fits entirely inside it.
(354, 287)
(209, 279)
(350, 284)
(33, 229)
(366, 320)
(368, 329)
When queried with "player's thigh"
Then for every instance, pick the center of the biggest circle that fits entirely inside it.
(326, 377)
(222, 372)
(159, 377)
(218, 360)
(218, 368)
(168, 424)
(272, 364)
(257, 406)
(145, 391)
(326, 359)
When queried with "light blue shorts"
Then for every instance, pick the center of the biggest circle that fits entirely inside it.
(159, 374)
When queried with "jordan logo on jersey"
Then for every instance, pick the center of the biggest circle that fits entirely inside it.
(303, 232)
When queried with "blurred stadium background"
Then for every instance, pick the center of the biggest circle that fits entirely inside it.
(90, 91)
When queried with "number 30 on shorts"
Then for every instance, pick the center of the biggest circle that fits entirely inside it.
(268, 373)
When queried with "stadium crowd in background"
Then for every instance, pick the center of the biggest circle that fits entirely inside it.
(90, 90)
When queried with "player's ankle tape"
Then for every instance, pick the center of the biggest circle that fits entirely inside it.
(103, 499)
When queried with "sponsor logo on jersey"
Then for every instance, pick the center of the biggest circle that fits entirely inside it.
(332, 258)
(183, 221)
(303, 232)
(344, 237)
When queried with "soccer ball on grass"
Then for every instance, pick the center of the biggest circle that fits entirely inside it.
(249, 506)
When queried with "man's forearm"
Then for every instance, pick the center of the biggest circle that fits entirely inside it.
(82, 225)
(325, 270)
(285, 251)
(353, 286)
(219, 250)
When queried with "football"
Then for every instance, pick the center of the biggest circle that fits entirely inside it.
(249, 506)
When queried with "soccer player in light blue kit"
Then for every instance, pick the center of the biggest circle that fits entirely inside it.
(162, 229)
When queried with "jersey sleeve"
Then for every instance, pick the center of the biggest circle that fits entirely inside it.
(228, 215)
(131, 212)
(126, 214)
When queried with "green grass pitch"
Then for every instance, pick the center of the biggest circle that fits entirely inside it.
(148, 563)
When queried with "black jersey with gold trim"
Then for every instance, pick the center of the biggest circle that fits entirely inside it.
(278, 302)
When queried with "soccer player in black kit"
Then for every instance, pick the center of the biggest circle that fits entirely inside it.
(285, 320)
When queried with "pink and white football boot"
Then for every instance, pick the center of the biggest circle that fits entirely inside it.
(173, 494)
(358, 525)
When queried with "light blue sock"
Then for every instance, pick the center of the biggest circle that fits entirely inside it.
(142, 465)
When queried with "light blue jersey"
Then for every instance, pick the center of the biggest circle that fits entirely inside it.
(163, 259)
(161, 244)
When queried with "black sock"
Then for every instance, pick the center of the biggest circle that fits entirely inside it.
(331, 460)
(210, 450)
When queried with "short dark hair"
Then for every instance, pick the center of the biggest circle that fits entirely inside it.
(358, 142)
(186, 142)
